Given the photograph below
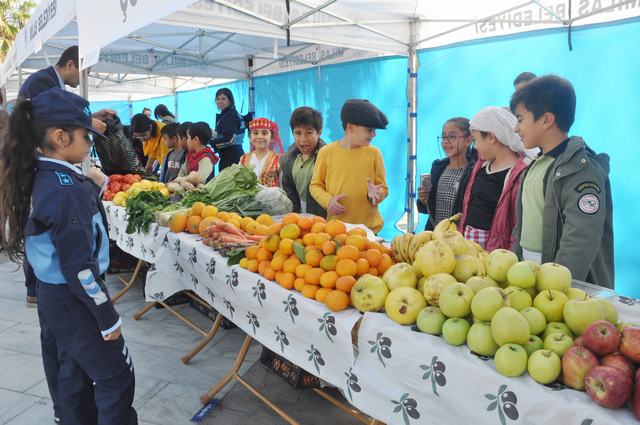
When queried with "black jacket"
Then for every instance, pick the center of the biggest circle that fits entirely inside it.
(229, 129)
(286, 181)
(437, 168)
(38, 82)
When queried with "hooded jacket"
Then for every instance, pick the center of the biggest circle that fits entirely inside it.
(577, 220)
(286, 180)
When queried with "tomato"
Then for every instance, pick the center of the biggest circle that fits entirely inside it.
(115, 178)
(108, 196)
(115, 187)
(124, 187)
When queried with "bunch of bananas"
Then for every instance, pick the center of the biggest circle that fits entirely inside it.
(406, 245)
(448, 224)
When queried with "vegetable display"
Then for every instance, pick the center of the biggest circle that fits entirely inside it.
(141, 209)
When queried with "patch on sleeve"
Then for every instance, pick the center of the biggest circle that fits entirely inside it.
(589, 204)
(64, 179)
(587, 185)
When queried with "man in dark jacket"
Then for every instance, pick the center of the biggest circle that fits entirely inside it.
(296, 165)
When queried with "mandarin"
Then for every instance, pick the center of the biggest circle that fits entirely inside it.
(328, 279)
(345, 283)
(335, 228)
(290, 218)
(321, 294)
(337, 300)
(299, 283)
(309, 291)
(305, 223)
(313, 276)
(346, 267)
(349, 252)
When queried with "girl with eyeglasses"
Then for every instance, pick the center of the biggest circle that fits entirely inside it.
(442, 198)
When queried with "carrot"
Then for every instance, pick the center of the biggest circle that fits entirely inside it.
(230, 228)
(257, 238)
(230, 238)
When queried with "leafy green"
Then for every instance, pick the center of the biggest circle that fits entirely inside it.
(189, 199)
(141, 210)
(245, 205)
(233, 182)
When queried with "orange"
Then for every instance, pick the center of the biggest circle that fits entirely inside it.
(290, 231)
(269, 274)
(290, 265)
(328, 247)
(363, 266)
(373, 271)
(320, 239)
(251, 227)
(328, 263)
(375, 245)
(313, 276)
(287, 280)
(345, 283)
(265, 219)
(251, 252)
(263, 266)
(235, 222)
(261, 230)
(222, 215)
(272, 243)
(309, 291)
(321, 294)
(337, 300)
(309, 239)
(274, 229)
(264, 255)
(328, 279)
(385, 263)
(277, 264)
(286, 246)
(193, 224)
(335, 228)
(279, 274)
(349, 252)
(291, 218)
(346, 267)
(299, 241)
(357, 241)
(318, 219)
(299, 283)
(209, 211)
(178, 222)
(305, 223)
(313, 256)
(243, 262)
(317, 228)
(341, 239)
(244, 222)
(357, 231)
(374, 257)
(302, 270)
(252, 265)
(197, 207)
(204, 225)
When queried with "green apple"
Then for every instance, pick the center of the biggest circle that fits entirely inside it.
(486, 302)
(400, 275)
(435, 257)
(578, 314)
(480, 340)
(576, 294)
(534, 266)
(558, 343)
(535, 318)
(553, 276)
(551, 303)
(455, 300)
(610, 311)
(532, 291)
(455, 330)
(430, 320)
(534, 343)
(369, 293)
(522, 275)
(544, 366)
(553, 327)
(508, 325)
(476, 283)
(466, 266)
(498, 262)
(511, 360)
(518, 297)
(403, 305)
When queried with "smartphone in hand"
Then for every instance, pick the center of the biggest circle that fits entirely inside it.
(425, 181)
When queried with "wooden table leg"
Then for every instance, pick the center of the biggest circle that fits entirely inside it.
(143, 310)
(230, 374)
(214, 329)
(345, 408)
(128, 284)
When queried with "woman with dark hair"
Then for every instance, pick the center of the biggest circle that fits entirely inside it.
(162, 113)
(229, 132)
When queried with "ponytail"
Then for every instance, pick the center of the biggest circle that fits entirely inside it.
(18, 156)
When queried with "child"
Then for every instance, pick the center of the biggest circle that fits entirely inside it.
(149, 133)
(200, 157)
(183, 134)
(348, 177)
(449, 176)
(564, 210)
(266, 149)
(297, 164)
(54, 213)
(176, 156)
(488, 210)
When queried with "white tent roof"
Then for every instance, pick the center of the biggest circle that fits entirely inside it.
(209, 39)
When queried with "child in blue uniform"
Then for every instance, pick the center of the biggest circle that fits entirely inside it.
(54, 213)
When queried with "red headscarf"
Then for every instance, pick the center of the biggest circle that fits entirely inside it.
(263, 123)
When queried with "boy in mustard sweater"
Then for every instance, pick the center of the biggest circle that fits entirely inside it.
(349, 178)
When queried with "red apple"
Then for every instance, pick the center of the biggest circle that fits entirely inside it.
(608, 386)
(601, 337)
(630, 343)
(576, 363)
(618, 361)
(579, 341)
(635, 401)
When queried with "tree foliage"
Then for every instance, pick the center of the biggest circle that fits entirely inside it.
(13, 15)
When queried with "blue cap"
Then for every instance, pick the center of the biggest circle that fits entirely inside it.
(61, 107)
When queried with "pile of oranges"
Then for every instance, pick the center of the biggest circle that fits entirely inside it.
(194, 221)
(321, 260)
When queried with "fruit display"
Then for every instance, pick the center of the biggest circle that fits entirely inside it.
(126, 191)
(186, 183)
(119, 183)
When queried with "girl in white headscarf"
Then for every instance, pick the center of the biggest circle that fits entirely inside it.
(488, 210)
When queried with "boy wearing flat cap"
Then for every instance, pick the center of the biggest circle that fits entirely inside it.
(349, 178)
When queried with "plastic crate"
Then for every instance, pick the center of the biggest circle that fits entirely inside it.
(120, 261)
(211, 313)
(293, 375)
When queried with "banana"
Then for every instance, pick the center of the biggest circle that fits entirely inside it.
(448, 224)
(396, 245)
(417, 241)
(408, 237)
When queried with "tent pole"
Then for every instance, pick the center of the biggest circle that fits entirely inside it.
(251, 86)
(19, 77)
(130, 108)
(84, 83)
(412, 86)
(175, 99)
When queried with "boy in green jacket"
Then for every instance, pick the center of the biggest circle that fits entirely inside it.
(564, 212)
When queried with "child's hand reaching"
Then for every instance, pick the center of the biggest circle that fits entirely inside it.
(335, 207)
(374, 192)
